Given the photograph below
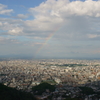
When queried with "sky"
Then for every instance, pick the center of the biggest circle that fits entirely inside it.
(50, 29)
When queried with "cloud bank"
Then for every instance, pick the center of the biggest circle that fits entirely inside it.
(60, 27)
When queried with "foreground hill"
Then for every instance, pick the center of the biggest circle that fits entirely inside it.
(7, 93)
(39, 89)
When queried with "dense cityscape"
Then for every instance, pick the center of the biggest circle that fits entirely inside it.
(66, 74)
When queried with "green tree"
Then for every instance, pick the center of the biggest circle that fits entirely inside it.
(87, 90)
(7, 93)
(39, 89)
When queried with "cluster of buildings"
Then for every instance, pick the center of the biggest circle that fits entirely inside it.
(24, 74)
(67, 93)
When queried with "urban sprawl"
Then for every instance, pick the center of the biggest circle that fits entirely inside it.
(66, 74)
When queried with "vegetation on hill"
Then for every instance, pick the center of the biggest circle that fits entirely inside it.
(87, 90)
(7, 93)
(39, 89)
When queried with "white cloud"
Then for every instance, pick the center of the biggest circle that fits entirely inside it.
(66, 19)
(1, 38)
(4, 10)
(15, 31)
(0, 23)
(11, 26)
(22, 16)
(7, 40)
(65, 8)
(91, 36)
(71, 18)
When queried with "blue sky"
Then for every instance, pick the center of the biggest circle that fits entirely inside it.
(50, 28)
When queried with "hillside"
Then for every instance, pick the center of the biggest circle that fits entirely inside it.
(7, 93)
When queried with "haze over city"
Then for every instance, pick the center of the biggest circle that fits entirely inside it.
(50, 29)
